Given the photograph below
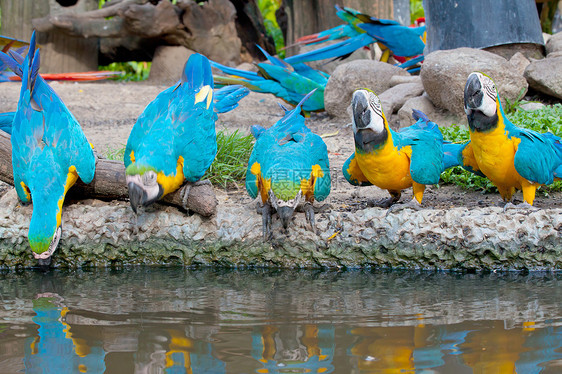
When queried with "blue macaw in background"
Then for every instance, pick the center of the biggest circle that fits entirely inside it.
(288, 166)
(49, 152)
(174, 139)
(7, 43)
(513, 158)
(362, 30)
(412, 157)
(288, 82)
(6, 120)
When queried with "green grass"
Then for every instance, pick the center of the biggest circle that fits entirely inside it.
(543, 120)
(229, 168)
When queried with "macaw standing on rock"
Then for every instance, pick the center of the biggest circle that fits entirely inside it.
(174, 139)
(288, 167)
(49, 152)
(392, 160)
(513, 158)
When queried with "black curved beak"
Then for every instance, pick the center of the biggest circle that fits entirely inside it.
(137, 196)
(361, 112)
(473, 93)
(285, 213)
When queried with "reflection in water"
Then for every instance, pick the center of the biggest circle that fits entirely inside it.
(207, 321)
(55, 349)
(294, 349)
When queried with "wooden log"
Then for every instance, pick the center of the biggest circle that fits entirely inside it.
(109, 183)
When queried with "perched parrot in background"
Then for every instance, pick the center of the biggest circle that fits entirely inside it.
(512, 158)
(49, 152)
(174, 139)
(6, 120)
(7, 43)
(412, 157)
(288, 82)
(362, 30)
(288, 166)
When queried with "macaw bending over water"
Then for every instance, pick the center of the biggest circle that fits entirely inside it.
(49, 152)
(392, 160)
(174, 138)
(288, 166)
(363, 30)
(513, 158)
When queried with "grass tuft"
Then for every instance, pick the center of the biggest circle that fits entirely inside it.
(233, 153)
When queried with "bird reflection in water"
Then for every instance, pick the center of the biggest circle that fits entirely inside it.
(307, 348)
(55, 349)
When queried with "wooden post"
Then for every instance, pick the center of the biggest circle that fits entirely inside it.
(60, 53)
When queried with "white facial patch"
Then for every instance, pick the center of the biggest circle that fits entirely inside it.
(278, 203)
(52, 247)
(490, 94)
(148, 182)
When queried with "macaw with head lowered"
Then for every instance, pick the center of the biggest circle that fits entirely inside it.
(288, 167)
(49, 152)
(363, 30)
(174, 139)
(513, 158)
(392, 160)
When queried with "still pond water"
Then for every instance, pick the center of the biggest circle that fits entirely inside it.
(152, 320)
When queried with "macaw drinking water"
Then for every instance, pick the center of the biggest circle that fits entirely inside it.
(49, 152)
(513, 158)
(288, 167)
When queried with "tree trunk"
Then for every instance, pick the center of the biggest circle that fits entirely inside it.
(109, 183)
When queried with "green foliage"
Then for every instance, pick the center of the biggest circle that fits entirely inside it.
(542, 120)
(416, 9)
(229, 167)
(117, 154)
(268, 9)
(131, 70)
(512, 107)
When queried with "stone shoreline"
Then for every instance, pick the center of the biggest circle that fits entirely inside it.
(97, 233)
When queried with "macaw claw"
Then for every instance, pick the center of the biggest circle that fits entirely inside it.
(266, 213)
(309, 214)
(186, 189)
(385, 203)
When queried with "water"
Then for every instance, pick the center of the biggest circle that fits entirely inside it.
(147, 320)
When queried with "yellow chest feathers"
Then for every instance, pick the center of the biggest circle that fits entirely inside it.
(388, 167)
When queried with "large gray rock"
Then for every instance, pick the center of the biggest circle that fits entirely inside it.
(546, 76)
(519, 62)
(444, 75)
(348, 77)
(97, 233)
(554, 44)
(393, 98)
(167, 64)
(423, 103)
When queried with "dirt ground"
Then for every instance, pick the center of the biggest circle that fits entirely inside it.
(108, 110)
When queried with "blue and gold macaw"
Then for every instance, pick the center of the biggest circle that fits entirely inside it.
(513, 158)
(288, 82)
(49, 152)
(392, 160)
(362, 30)
(174, 139)
(288, 166)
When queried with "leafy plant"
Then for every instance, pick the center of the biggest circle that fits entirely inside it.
(416, 9)
(268, 9)
(117, 154)
(512, 106)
